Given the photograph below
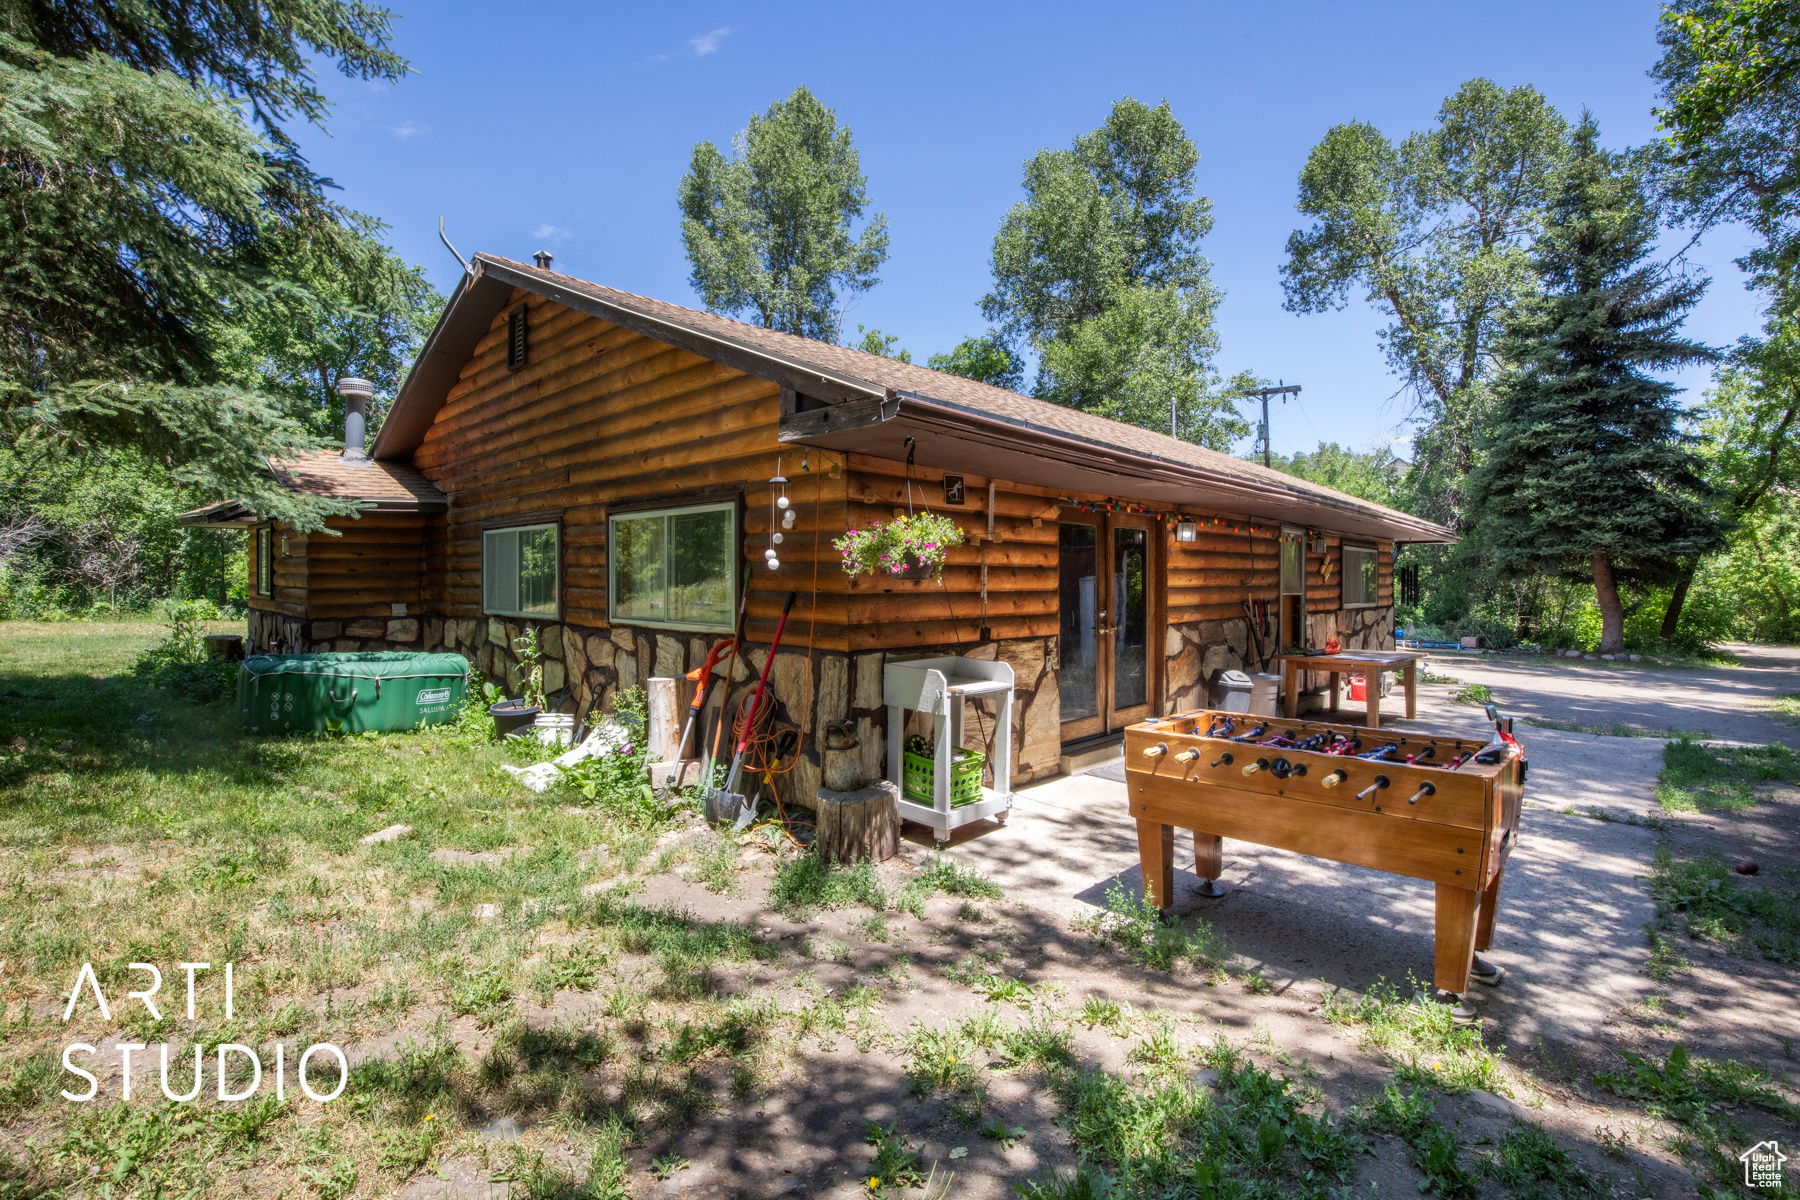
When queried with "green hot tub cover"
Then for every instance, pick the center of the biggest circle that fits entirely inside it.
(350, 692)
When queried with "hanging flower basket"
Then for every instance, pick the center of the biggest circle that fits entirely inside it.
(912, 547)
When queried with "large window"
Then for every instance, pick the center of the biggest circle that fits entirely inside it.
(519, 571)
(675, 567)
(265, 569)
(1362, 576)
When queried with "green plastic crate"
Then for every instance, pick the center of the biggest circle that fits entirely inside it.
(350, 692)
(920, 777)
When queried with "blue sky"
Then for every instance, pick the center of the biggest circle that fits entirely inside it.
(567, 127)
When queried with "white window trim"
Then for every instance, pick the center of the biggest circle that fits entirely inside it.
(612, 566)
(555, 528)
(1344, 574)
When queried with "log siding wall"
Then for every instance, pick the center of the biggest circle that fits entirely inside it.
(600, 416)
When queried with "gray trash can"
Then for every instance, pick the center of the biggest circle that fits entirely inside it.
(1231, 692)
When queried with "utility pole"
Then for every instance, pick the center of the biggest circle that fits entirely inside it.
(1262, 431)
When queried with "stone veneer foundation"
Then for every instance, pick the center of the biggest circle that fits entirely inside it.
(584, 669)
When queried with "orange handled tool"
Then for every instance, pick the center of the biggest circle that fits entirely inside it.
(700, 676)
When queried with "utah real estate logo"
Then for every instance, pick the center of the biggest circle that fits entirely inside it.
(1762, 1165)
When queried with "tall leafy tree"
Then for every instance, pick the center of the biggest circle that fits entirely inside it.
(1586, 468)
(985, 357)
(768, 231)
(1373, 474)
(358, 309)
(1435, 233)
(1099, 270)
(1730, 75)
(139, 204)
(1748, 427)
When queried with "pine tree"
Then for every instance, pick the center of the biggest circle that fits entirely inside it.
(1586, 467)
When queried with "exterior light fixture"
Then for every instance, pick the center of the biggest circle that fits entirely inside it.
(1186, 530)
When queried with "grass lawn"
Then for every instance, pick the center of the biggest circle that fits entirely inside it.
(565, 995)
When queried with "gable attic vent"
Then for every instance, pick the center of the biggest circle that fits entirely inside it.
(515, 339)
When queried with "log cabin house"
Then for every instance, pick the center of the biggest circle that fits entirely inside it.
(556, 437)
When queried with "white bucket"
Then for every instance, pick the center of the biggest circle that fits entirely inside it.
(554, 729)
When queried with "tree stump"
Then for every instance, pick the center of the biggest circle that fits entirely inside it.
(862, 824)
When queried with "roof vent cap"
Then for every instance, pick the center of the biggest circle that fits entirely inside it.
(356, 392)
(543, 259)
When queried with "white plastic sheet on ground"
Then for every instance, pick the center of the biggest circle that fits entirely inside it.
(605, 738)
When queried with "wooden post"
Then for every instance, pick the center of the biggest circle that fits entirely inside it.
(1490, 905)
(665, 719)
(1209, 855)
(862, 824)
(1156, 856)
(1412, 688)
(1455, 951)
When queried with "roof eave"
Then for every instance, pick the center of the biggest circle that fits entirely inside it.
(879, 427)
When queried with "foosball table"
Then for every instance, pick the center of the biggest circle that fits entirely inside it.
(1423, 805)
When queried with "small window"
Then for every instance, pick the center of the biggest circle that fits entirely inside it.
(515, 339)
(1362, 576)
(675, 567)
(1293, 563)
(265, 566)
(519, 571)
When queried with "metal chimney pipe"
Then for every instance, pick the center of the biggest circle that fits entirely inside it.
(543, 259)
(356, 393)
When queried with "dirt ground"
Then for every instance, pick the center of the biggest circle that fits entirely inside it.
(1571, 936)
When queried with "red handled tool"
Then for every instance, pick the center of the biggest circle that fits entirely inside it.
(701, 676)
(718, 803)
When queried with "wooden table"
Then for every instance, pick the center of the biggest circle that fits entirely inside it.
(1369, 663)
(1457, 835)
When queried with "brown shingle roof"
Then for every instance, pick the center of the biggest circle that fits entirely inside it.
(839, 371)
(328, 475)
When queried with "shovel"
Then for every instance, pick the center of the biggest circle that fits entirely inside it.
(720, 803)
(703, 676)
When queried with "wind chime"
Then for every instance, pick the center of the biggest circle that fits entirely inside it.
(781, 516)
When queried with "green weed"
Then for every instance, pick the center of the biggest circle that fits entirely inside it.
(1477, 694)
(1165, 1136)
(807, 883)
(941, 1061)
(1715, 905)
(1112, 1015)
(1615, 729)
(1135, 926)
(895, 1166)
(1700, 1097)
(1700, 775)
(1785, 708)
(717, 869)
(1418, 1036)
(1531, 1166)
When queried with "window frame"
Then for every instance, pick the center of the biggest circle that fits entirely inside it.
(1374, 553)
(265, 567)
(731, 505)
(528, 525)
(1289, 536)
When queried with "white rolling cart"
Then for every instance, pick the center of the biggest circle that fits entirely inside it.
(939, 686)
